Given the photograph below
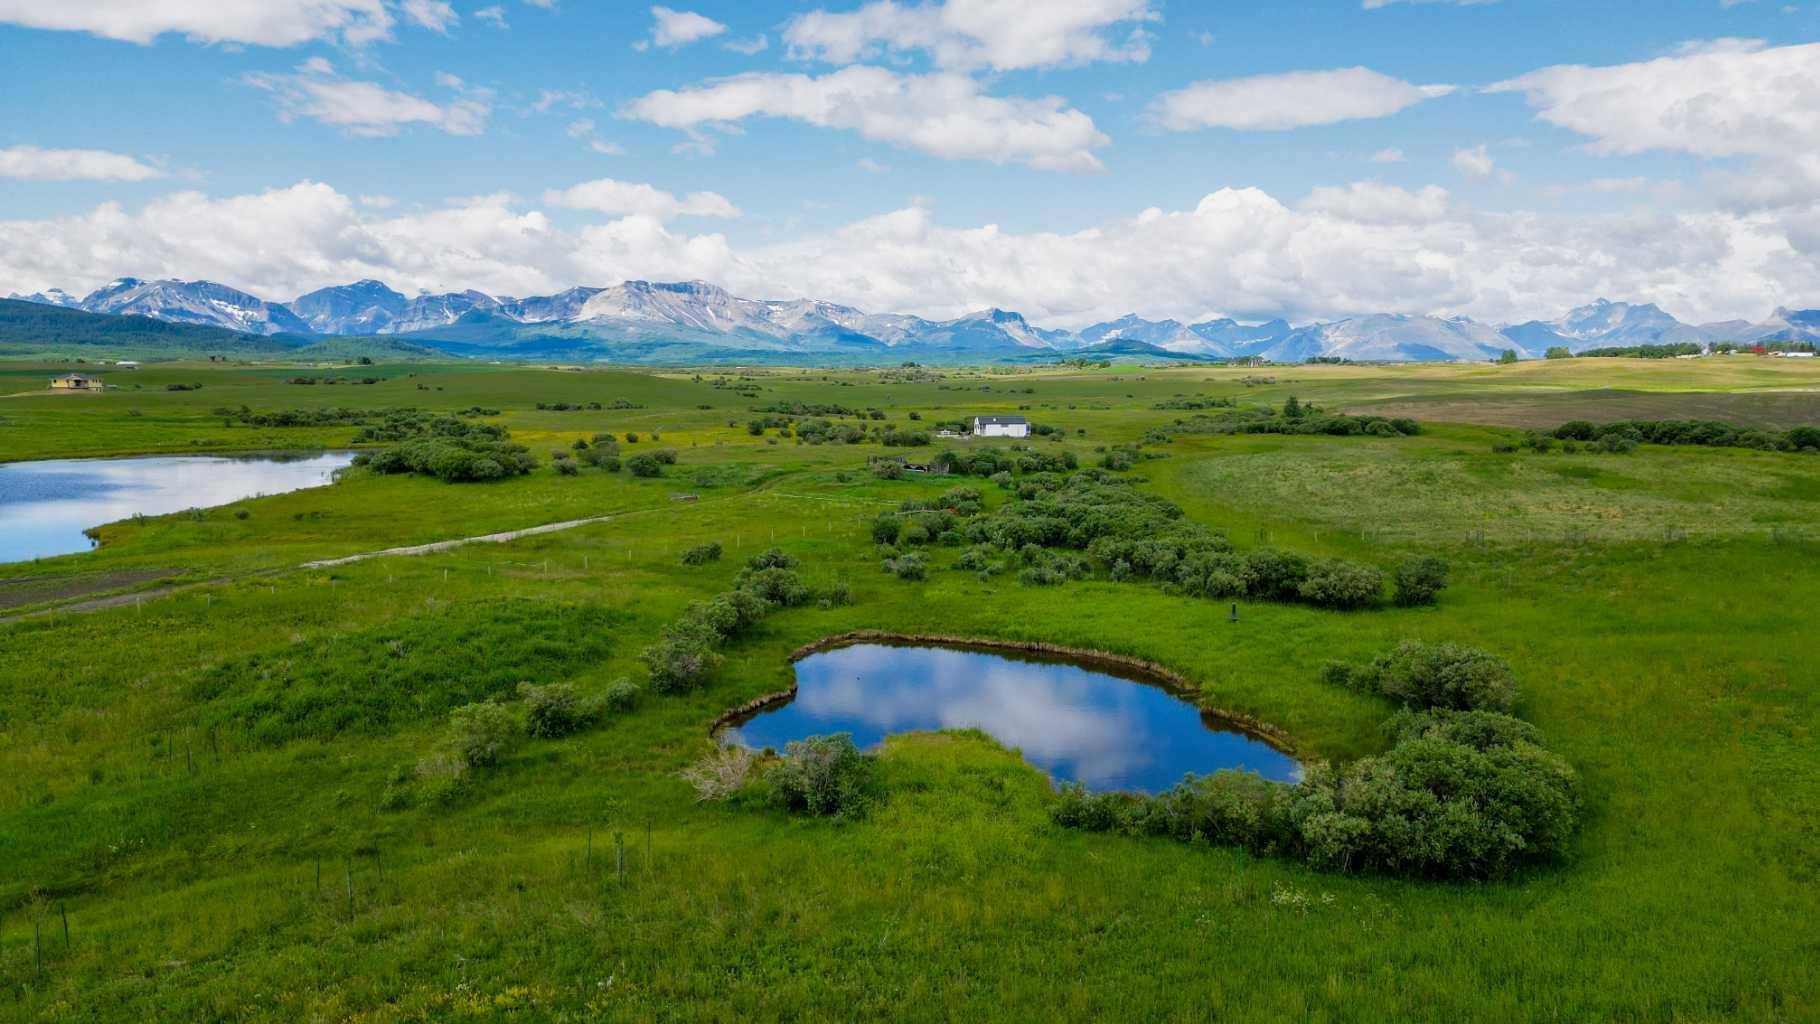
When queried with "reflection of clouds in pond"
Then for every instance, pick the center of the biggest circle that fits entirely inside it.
(45, 506)
(1046, 711)
(1076, 723)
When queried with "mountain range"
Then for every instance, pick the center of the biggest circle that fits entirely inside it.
(695, 321)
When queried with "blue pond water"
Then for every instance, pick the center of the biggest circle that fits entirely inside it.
(45, 506)
(1081, 723)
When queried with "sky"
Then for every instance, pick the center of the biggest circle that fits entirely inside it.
(1075, 160)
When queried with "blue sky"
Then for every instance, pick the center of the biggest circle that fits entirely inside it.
(1303, 159)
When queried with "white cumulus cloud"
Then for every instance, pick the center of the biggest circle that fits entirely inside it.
(32, 163)
(999, 34)
(317, 92)
(1732, 98)
(945, 115)
(680, 28)
(1341, 251)
(1295, 99)
(259, 22)
(620, 198)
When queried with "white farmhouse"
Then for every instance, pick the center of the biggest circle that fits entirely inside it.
(1001, 426)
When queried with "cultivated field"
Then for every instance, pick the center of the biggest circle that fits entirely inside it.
(218, 798)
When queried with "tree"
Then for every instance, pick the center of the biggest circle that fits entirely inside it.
(1508, 356)
(1292, 409)
(1559, 352)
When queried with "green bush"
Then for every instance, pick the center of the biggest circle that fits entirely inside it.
(1439, 809)
(554, 710)
(479, 735)
(1420, 581)
(682, 658)
(702, 554)
(1272, 575)
(781, 587)
(1424, 676)
(909, 566)
(825, 776)
(644, 464)
(886, 528)
(772, 558)
(1337, 583)
(621, 695)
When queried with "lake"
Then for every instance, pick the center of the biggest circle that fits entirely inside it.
(45, 506)
(1084, 722)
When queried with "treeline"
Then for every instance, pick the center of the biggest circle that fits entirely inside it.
(1686, 348)
(1293, 417)
(1466, 791)
(1705, 433)
(1063, 527)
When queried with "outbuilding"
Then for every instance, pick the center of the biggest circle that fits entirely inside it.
(75, 382)
(1001, 426)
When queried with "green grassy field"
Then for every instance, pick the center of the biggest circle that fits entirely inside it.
(1658, 608)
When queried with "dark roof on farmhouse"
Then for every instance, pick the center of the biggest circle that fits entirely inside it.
(998, 421)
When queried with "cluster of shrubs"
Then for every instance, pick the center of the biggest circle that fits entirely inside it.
(1295, 417)
(1541, 443)
(1709, 433)
(569, 406)
(1465, 791)
(305, 417)
(1061, 527)
(445, 447)
(484, 733)
(821, 776)
(334, 380)
(1195, 403)
(702, 554)
(988, 463)
(688, 650)
(651, 463)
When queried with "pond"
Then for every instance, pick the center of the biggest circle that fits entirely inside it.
(45, 506)
(1102, 726)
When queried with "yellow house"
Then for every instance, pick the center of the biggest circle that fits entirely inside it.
(75, 382)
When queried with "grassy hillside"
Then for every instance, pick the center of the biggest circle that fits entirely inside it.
(1654, 606)
(31, 329)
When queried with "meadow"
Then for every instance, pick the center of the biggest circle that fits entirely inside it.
(214, 802)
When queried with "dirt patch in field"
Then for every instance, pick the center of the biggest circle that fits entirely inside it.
(24, 590)
(1773, 409)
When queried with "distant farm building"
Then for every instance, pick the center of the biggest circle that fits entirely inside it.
(1001, 426)
(75, 382)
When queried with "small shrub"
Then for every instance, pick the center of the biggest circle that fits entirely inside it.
(1336, 583)
(702, 554)
(1273, 575)
(772, 558)
(909, 566)
(480, 734)
(554, 711)
(621, 695)
(720, 774)
(780, 587)
(644, 464)
(1426, 676)
(825, 776)
(1419, 581)
(681, 659)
